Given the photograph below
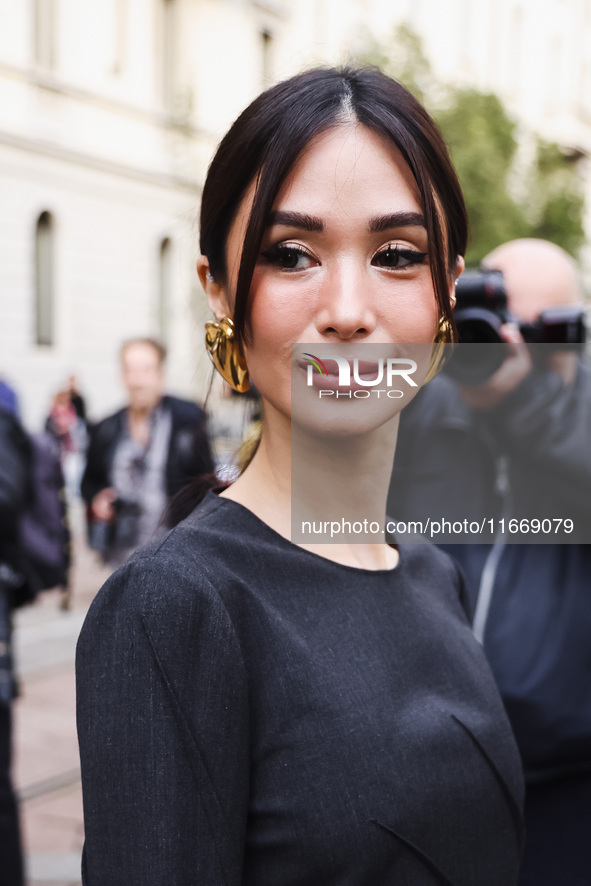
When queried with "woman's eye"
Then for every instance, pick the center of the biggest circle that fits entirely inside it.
(289, 258)
(396, 258)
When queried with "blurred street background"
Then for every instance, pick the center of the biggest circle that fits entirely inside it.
(46, 767)
(110, 111)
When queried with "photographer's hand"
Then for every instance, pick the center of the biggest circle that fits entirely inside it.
(515, 368)
(102, 505)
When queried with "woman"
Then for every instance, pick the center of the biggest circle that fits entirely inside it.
(252, 711)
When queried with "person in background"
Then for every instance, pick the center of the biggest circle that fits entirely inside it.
(68, 431)
(141, 456)
(76, 399)
(62, 421)
(14, 487)
(530, 603)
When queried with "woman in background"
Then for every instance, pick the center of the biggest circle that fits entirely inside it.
(254, 711)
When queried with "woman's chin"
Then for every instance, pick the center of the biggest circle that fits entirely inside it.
(343, 421)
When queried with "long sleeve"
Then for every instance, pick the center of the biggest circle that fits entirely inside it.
(163, 731)
(548, 424)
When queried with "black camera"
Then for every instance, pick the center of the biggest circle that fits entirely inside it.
(481, 309)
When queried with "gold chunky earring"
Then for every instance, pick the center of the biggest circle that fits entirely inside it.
(443, 337)
(226, 354)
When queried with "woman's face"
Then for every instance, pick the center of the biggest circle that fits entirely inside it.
(343, 260)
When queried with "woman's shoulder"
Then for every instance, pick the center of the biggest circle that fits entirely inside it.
(158, 632)
(170, 580)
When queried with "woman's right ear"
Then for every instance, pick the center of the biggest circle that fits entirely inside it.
(216, 292)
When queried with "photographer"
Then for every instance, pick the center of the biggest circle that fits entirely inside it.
(517, 444)
(141, 456)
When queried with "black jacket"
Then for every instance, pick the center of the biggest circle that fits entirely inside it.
(538, 630)
(189, 454)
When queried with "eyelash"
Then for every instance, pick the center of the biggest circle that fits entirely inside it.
(280, 252)
(411, 256)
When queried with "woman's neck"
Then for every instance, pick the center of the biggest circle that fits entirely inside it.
(297, 479)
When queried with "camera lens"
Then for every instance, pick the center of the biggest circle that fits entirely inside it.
(481, 348)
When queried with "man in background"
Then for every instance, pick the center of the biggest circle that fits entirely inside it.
(141, 456)
(527, 426)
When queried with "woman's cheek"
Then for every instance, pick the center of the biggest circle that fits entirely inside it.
(416, 321)
(280, 314)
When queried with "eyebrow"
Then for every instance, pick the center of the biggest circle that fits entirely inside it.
(376, 224)
(396, 220)
(294, 220)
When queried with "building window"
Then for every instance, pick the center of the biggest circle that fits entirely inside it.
(266, 57)
(45, 28)
(168, 44)
(44, 279)
(165, 289)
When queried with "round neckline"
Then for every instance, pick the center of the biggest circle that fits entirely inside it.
(214, 497)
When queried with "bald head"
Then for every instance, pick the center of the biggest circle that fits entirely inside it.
(538, 275)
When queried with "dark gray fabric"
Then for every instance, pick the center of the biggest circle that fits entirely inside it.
(251, 713)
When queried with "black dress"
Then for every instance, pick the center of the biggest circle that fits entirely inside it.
(252, 713)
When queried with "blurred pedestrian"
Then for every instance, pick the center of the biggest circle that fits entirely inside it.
(141, 456)
(14, 493)
(76, 399)
(62, 421)
(66, 425)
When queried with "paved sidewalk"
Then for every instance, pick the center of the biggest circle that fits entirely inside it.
(46, 766)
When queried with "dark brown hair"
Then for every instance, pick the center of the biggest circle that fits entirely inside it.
(268, 137)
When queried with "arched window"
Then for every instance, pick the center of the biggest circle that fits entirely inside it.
(165, 289)
(45, 26)
(44, 279)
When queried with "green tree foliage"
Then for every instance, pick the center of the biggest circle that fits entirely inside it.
(404, 59)
(482, 142)
(504, 200)
(557, 200)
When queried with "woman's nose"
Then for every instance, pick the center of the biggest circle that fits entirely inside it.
(344, 304)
